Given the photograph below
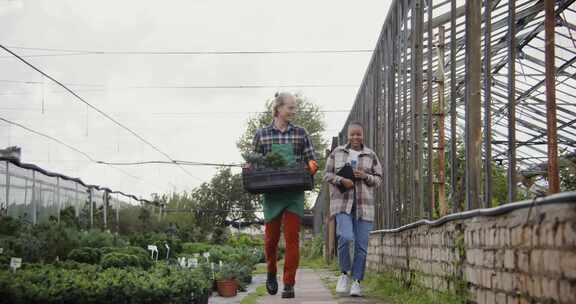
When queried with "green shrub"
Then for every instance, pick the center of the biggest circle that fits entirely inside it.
(245, 240)
(86, 255)
(220, 235)
(42, 243)
(119, 260)
(4, 262)
(89, 284)
(143, 256)
(96, 239)
(191, 248)
(313, 249)
(9, 225)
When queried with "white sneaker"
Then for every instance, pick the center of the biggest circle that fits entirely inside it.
(343, 284)
(356, 290)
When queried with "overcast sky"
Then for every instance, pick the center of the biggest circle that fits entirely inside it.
(169, 118)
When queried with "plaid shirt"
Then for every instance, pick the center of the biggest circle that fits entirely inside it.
(342, 202)
(297, 136)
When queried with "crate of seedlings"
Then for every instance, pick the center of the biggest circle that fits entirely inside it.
(271, 173)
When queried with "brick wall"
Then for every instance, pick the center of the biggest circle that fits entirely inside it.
(526, 255)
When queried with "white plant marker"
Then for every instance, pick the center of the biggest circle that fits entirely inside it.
(213, 273)
(153, 249)
(182, 262)
(15, 263)
(167, 251)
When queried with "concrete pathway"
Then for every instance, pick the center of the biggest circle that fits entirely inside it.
(311, 289)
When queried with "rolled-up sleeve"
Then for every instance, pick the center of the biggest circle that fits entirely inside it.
(330, 171)
(308, 151)
(256, 146)
(374, 179)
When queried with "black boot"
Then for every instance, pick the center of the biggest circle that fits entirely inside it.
(272, 284)
(288, 292)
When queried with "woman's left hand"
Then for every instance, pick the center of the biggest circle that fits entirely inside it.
(360, 174)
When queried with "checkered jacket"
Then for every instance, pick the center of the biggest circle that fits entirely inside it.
(342, 202)
(297, 136)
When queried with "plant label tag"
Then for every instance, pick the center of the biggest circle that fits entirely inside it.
(194, 262)
(1, 250)
(213, 273)
(189, 263)
(15, 263)
(207, 255)
(167, 247)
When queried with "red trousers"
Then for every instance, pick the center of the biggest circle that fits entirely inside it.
(291, 223)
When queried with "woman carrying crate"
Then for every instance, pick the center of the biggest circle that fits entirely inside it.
(293, 143)
(353, 172)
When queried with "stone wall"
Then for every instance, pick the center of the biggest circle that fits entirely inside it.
(523, 255)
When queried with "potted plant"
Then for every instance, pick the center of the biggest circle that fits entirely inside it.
(271, 173)
(227, 280)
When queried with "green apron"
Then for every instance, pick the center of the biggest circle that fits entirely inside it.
(293, 201)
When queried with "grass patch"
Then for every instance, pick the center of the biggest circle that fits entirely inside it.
(330, 284)
(260, 269)
(318, 263)
(253, 297)
(385, 287)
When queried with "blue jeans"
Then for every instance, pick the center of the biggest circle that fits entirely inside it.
(350, 229)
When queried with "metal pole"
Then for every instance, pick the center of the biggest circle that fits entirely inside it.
(453, 147)
(26, 193)
(429, 82)
(441, 130)
(393, 65)
(76, 203)
(34, 197)
(553, 178)
(412, 175)
(105, 198)
(406, 168)
(382, 125)
(90, 193)
(396, 83)
(511, 101)
(8, 187)
(473, 104)
(59, 207)
(118, 216)
(417, 61)
(487, 103)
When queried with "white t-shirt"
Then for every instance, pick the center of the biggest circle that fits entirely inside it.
(353, 156)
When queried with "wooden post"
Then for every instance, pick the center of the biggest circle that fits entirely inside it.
(473, 104)
(330, 223)
(430, 119)
(511, 101)
(553, 178)
(441, 131)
